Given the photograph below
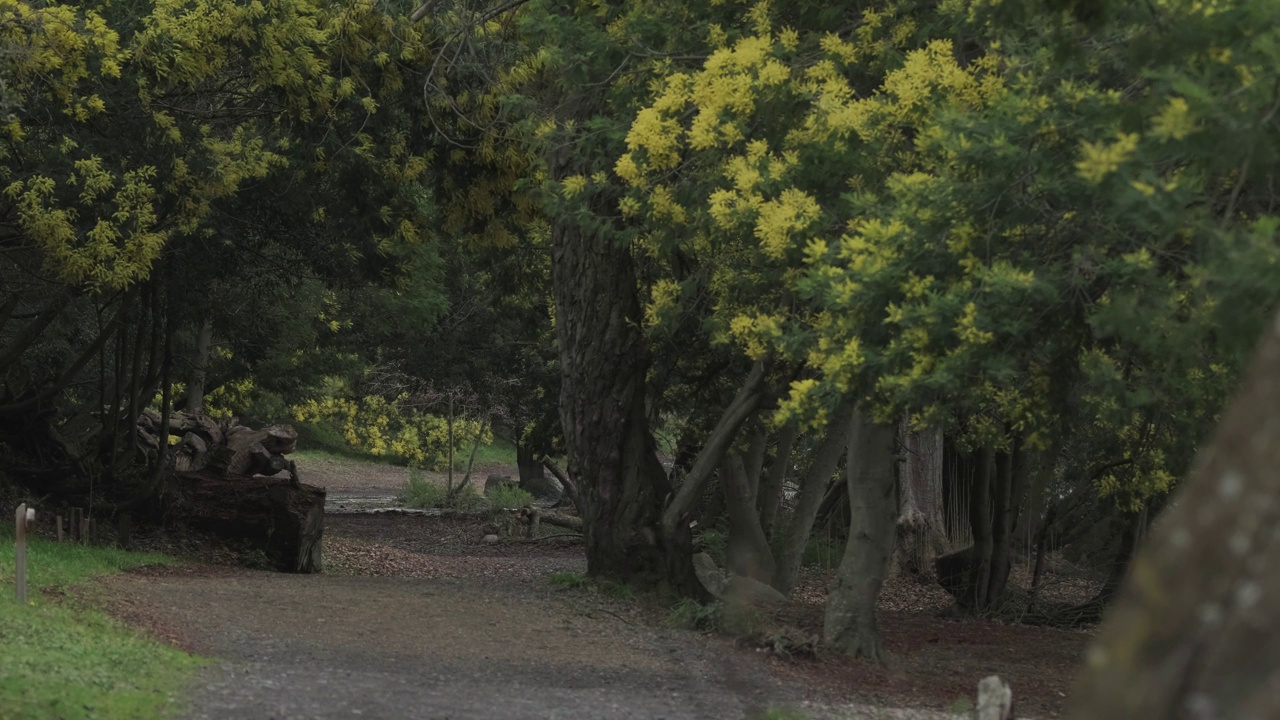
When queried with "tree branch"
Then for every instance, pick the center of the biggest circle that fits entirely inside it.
(726, 429)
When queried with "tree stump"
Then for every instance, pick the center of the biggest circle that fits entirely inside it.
(282, 518)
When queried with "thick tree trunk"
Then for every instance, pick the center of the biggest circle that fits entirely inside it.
(748, 553)
(603, 363)
(200, 366)
(1193, 634)
(850, 623)
(921, 527)
(796, 531)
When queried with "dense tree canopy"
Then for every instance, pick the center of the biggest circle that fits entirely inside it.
(1045, 231)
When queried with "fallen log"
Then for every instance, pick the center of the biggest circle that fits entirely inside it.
(532, 516)
(283, 518)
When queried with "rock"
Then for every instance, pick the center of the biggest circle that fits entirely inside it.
(490, 539)
(752, 592)
(709, 574)
(995, 700)
(542, 486)
(496, 481)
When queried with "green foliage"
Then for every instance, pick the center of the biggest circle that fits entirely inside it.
(617, 590)
(421, 492)
(566, 580)
(689, 614)
(391, 428)
(823, 551)
(61, 660)
(509, 497)
(713, 542)
(962, 706)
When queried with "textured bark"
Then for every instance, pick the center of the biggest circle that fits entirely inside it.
(200, 363)
(921, 526)
(1193, 632)
(850, 623)
(770, 495)
(603, 363)
(795, 533)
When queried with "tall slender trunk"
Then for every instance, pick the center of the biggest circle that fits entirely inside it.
(1002, 495)
(796, 531)
(850, 623)
(770, 495)
(200, 365)
(980, 525)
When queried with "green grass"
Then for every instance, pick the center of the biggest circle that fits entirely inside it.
(566, 580)
(689, 614)
(498, 452)
(58, 660)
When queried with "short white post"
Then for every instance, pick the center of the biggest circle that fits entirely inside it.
(22, 519)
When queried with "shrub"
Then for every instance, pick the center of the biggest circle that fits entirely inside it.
(420, 492)
(690, 614)
(508, 497)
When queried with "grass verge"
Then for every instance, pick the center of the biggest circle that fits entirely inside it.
(61, 661)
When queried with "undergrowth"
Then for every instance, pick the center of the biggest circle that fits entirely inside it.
(509, 497)
(571, 581)
(61, 660)
(420, 492)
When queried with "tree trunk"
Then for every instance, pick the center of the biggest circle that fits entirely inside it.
(1193, 632)
(1002, 486)
(770, 495)
(980, 526)
(748, 553)
(200, 366)
(603, 364)
(850, 623)
(796, 531)
(921, 527)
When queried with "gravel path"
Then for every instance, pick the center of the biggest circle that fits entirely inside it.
(448, 644)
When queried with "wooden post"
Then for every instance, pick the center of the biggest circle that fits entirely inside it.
(93, 531)
(125, 531)
(77, 515)
(20, 550)
(59, 528)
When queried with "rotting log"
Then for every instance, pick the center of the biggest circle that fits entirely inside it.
(282, 518)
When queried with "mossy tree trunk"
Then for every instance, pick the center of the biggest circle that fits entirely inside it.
(1193, 632)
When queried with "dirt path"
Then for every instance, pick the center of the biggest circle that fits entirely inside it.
(478, 634)
(420, 618)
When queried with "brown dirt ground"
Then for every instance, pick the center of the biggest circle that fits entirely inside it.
(417, 617)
